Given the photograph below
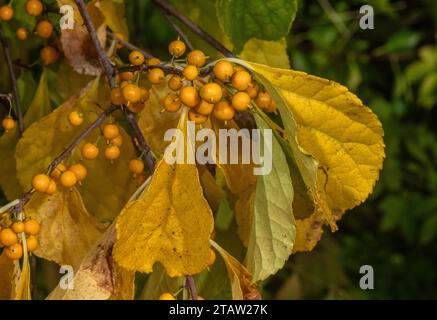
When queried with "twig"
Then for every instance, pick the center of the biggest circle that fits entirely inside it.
(164, 5)
(129, 45)
(10, 65)
(145, 67)
(189, 283)
(178, 30)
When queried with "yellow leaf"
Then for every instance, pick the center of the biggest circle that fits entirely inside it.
(308, 232)
(98, 277)
(244, 214)
(213, 193)
(241, 280)
(271, 53)
(8, 272)
(171, 223)
(67, 229)
(114, 16)
(108, 185)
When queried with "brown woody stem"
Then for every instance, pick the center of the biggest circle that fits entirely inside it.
(129, 45)
(178, 30)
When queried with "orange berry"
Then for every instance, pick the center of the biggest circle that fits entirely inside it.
(189, 96)
(136, 58)
(224, 111)
(75, 118)
(211, 92)
(34, 7)
(212, 257)
(79, 171)
(136, 107)
(52, 187)
(117, 97)
(44, 29)
(172, 102)
(68, 179)
(21, 33)
(56, 173)
(223, 70)
(117, 141)
(176, 48)
(136, 166)
(112, 152)
(252, 90)
(156, 76)
(263, 100)
(18, 227)
(167, 296)
(49, 55)
(241, 101)
(40, 182)
(32, 243)
(190, 72)
(8, 237)
(271, 107)
(200, 298)
(131, 93)
(14, 252)
(6, 13)
(204, 108)
(144, 94)
(31, 227)
(196, 58)
(175, 83)
(241, 80)
(126, 76)
(197, 118)
(153, 61)
(90, 151)
(110, 131)
(8, 123)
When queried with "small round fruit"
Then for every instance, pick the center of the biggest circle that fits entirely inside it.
(204, 108)
(241, 80)
(153, 61)
(49, 55)
(200, 298)
(75, 118)
(32, 243)
(126, 76)
(241, 101)
(172, 102)
(8, 123)
(21, 33)
(90, 151)
(223, 70)
(18, 227)
(176, 48)
(196, 58)
(40, 182)
(117, 141)
(271, 107)
(136, 166)
(263, 100)
(68, 179)
(190, 72)
(156, 76)
(52, 187)
(167, 296)
(224, 111)
(252, 90)
(144, 94)
(197, 118)
(117, 97)
(79, 171)
(110, 131)
(136, 58)
(56, 173)
(189, 96)
(8, 237)
(31, 227)
(112, 152)
(175, 83)
(6, 13)
(34, 8)
(212, 257)
(14, 252)
(136, 107)
(44, 29)
(131, 93)
(211, 92)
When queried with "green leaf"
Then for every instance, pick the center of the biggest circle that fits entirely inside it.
(225, 214)
(273, 228)
(159, 282)
(266, 20)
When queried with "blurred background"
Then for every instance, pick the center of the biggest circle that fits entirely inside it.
(393, 68)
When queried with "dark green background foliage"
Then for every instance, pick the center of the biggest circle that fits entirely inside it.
(393, 68)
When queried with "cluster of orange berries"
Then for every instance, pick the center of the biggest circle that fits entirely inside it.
(9, 237)
(8, 123)
(68, 178)
(44, 29)
(171, 296)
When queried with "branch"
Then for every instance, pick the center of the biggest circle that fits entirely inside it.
(9, 62)
(189, 283)
(165, 6)
(178, 30)
(129, 45)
